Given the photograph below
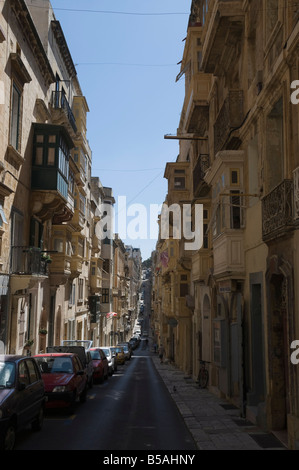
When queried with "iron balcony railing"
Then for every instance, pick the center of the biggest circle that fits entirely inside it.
(277, 211)
(59, 101)
(26, 260)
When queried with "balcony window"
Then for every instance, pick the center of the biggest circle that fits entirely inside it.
(36, 233)
(81, 247)
(15, 117)
(205, 7)
(50, 164)
(58, 245)
(275, 146)
(80, 289)
(235, 210)
(105, 296)
(82, 204)
(71, 182)
(179, 183)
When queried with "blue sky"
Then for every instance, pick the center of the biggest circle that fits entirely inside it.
(127, 65)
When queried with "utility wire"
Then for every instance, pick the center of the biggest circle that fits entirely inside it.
(128, 171)
(125, 64)
(120, 12)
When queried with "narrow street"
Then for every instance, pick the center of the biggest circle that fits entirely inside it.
(131, 411)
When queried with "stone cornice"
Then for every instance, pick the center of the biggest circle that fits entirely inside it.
(63, 47)
(28, 28)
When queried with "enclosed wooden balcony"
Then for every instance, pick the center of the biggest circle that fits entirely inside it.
(201, 265)
(228, 254)
(77, 254)
(96, 274)
(223, 30)
(178, 177)
(195, 112)
(49, 174)
(62, 249)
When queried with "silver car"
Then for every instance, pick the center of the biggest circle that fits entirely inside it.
(111, 358)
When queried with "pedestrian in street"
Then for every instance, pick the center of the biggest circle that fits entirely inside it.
(161, 353)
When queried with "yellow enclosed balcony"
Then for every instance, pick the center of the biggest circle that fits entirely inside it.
(178, 177)
(62, 250)
(95, 275)
(77, 254)
(195, 113)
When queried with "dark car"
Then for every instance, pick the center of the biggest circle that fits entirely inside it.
(100, 365)
(134, 342)
(22, 397)
(64, 378)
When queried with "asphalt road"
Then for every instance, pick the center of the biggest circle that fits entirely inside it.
(133, 410)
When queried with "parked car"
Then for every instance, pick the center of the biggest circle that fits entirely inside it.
(127, 349)
(64, 378)
(77, 348)
(22, 397)
(100, 365)
(120, 354)
(112, 366)
(134, 341)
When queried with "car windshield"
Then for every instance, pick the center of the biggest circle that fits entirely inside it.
(106, 351)
(54, 365)
(119, 350)
(7, 374)
(95, 355)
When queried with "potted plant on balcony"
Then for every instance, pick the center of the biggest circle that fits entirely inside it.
(47, 258)
(42, 332)
(28, 344)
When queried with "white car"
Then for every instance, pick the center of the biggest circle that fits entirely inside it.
(112, 366)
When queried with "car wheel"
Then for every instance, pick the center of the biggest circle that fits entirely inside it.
(102, 378)
(83, 395)
(91, 382)
(9, 437)
(73, 402)
(37, 424)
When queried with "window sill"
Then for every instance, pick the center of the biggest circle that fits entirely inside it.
(14, 155)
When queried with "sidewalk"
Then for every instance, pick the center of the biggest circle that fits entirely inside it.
(214, 423)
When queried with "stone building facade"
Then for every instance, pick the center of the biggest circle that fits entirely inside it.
(238, 139)
(52, 252)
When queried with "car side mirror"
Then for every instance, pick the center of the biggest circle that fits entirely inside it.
(80, 372)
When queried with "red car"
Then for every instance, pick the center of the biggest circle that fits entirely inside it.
(64, 379)
(100, 365)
